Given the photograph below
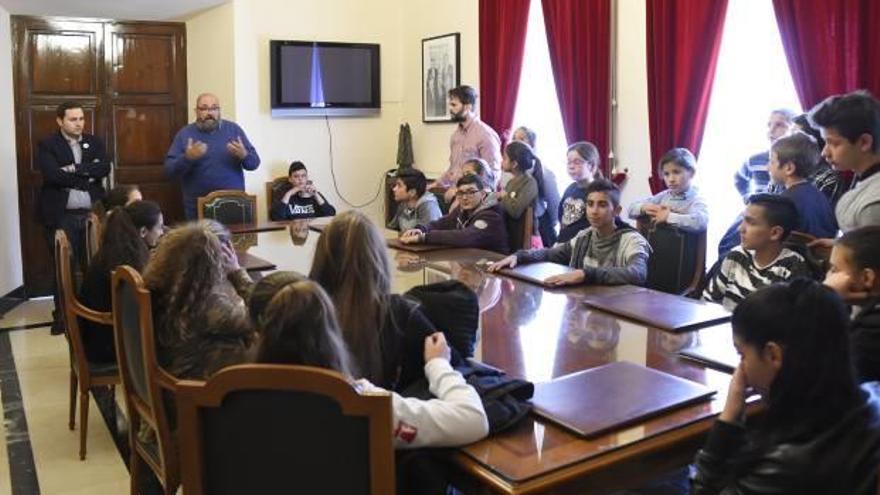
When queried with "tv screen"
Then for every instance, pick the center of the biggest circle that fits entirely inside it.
(314, 78)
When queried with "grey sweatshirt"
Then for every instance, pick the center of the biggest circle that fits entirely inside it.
(621, 258)
(426, 211)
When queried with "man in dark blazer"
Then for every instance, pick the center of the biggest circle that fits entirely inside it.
(73, 165)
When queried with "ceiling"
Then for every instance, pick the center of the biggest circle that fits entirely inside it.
(145, 10)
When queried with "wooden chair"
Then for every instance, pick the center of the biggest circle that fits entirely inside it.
(231, 207)
(146, 385)
(817, 257)
(93, 236)
(520, 230)
(273, 192)
(678, 258)
(261, 428)
(83, 374)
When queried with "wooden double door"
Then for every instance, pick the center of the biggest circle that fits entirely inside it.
(131, 80)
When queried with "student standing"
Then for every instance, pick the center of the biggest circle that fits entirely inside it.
(609, 252)
(583, 167)
(680, 205)
(793, 159)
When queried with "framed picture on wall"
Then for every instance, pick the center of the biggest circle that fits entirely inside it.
(440, 73)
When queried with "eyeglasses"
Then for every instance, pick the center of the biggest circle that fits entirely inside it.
(208, 109)
(466, 192)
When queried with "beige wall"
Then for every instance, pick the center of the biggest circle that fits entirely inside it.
(431, 141)
(210, 54)
(10, 247)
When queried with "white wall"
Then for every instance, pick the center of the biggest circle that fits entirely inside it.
(10, 246)
(210, 51)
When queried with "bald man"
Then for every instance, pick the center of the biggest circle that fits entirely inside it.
(210, 154)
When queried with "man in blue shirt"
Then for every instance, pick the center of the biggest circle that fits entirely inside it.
(210, 154)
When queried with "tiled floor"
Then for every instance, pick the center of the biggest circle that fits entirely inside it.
(42, 372)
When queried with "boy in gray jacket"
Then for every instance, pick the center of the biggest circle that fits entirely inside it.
(608, 252)
(415, 206)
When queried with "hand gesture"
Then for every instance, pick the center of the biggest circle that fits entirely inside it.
(846, 287)
(436, 347)
(571, 278)
(195, 149)
(508, 262)
(662, 215)
(735, 408)
(821, 244)
(411, 236)
(229, 258)
(651, 209)
(236, 147)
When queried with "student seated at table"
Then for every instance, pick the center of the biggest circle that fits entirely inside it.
(792, 160)
(300, 199)
(299, 326)
(681, 204)
(415, 206)
(384, 331)
(548, 192)
(129, 234)
(760, 259)
(121, 195)
(199, 316)
(583, 167)
(855, 275)
(520, 192)
(608, 252)
(819, 431)
(477, 222)
(474, 166)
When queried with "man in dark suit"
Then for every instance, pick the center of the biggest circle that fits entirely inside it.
(73, 165)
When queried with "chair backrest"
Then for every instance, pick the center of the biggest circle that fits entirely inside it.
(93, 236)
(71, 308)
(520, 230)
(273, 191)
(818, 258)
(678, 259)
(261, 428)
(229, 207)
(144, 382)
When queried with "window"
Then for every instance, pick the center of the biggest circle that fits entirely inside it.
(751, 80)
(537, 106)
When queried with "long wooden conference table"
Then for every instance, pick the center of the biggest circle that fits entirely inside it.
(538, 335)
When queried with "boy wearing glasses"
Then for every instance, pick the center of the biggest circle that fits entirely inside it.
(209, 155)
(477, 222)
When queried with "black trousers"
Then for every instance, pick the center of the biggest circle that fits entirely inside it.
(73, 223)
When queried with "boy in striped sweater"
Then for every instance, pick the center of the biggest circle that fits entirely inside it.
(761, 259)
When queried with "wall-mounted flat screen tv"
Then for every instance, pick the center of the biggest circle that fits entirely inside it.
(318, 78)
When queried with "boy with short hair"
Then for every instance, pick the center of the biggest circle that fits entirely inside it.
(793, 159)
(850, 124)
(760, 260)
(476, 223)
(300, 199)
(855, 275)
(608, 252)
(680, 205)
(415, 206)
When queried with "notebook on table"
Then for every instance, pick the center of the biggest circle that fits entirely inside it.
(718, 353)
(415, 248)
(661, 310)
(613, 396)
(536, 273)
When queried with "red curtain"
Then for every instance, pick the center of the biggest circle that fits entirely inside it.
(503, 25)
(832, 46)
(684, 37)
(579, 39)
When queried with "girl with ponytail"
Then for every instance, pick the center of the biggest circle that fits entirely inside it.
(521, 191)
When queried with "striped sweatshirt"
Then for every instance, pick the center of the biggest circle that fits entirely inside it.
(739, 276)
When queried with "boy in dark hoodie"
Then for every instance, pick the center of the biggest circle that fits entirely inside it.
(477, 222)
(608, 252)
(300, 198)
(855, 275)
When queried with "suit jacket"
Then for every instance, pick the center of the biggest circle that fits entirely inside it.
(53, 153)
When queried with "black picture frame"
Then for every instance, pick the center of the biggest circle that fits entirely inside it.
(441, 71)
